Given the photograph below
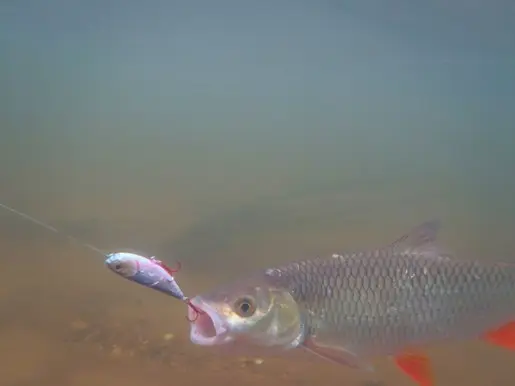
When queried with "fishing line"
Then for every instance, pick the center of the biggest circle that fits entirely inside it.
(52, 229)
(97, 250)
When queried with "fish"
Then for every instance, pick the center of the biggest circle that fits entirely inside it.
(391, 301)
(147, 271)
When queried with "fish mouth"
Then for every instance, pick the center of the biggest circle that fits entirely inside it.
(207, 327)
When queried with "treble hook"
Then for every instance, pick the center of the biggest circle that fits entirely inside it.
(166, 267)
(194, 308)
(177, 268)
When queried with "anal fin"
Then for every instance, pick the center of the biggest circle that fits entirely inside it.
(337, 355)
(503, 336)
(417, 366)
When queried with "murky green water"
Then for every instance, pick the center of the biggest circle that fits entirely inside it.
(232, 138)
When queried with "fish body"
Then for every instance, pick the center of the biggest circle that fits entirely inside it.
(391, 301)
(378, 305)
(146, 271)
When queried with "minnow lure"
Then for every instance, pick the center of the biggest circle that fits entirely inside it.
(150, 272)
(147, 271)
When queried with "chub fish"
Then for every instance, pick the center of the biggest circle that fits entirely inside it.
(390, 301)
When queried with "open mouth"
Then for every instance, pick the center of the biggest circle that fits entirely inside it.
(207, 327)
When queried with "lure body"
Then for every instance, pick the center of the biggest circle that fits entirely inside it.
(147, 271)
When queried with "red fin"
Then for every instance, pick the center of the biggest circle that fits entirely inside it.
(417, 366)
(504, 336)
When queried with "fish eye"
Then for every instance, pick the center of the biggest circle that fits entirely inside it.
(245, 307)
(118, 267)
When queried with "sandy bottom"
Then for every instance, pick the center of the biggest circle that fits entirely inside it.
(68, 321)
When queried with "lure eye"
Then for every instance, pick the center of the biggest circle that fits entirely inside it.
(245, 307)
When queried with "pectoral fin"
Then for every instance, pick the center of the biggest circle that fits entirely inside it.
(338, 355)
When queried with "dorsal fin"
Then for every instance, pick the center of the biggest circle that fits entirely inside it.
(421, 236)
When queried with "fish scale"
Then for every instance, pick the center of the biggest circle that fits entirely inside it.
(377, 303)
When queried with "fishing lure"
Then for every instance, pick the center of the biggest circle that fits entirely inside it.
(151, 273)
(147, 271)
